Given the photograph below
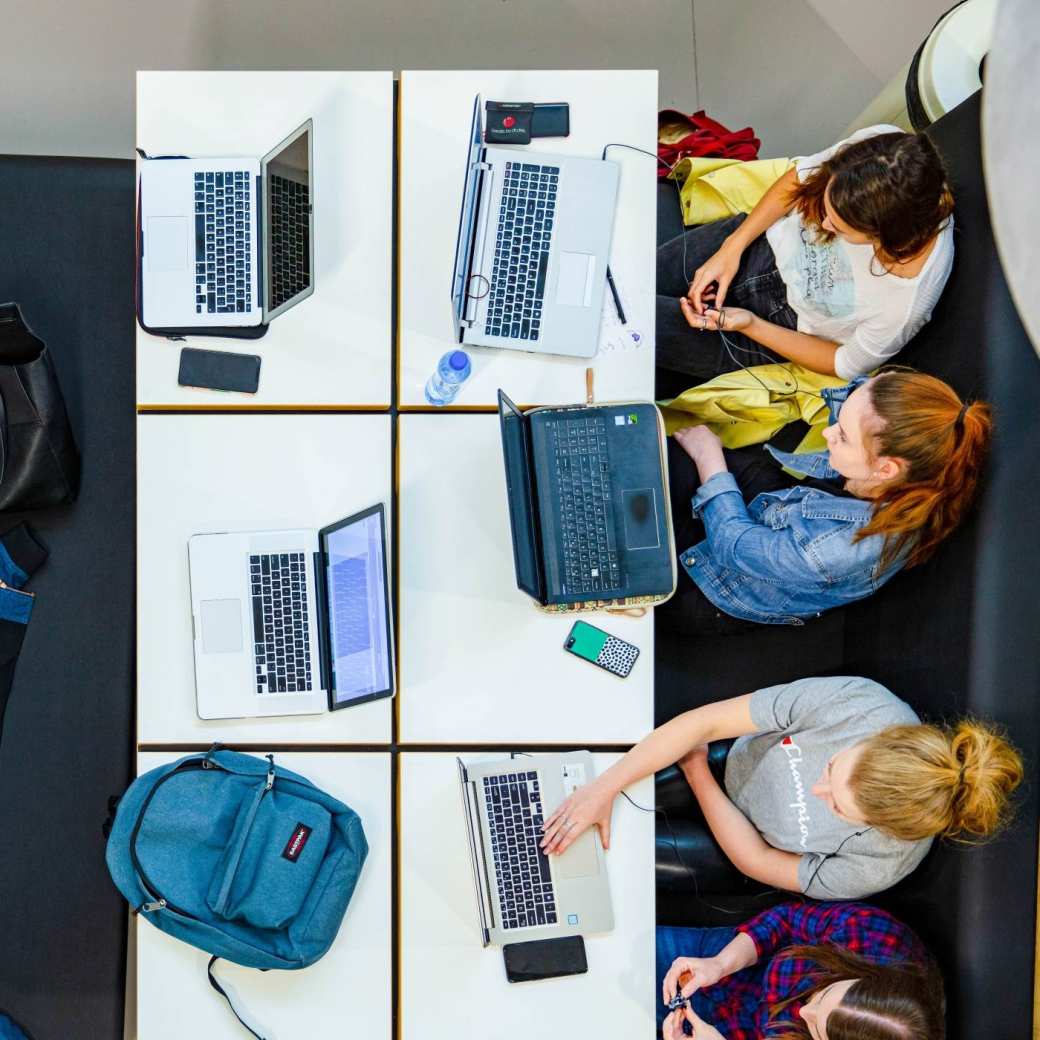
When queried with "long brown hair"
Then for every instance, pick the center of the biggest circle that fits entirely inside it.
(886, 1002)
(892, 187)
(919, 781)
(944, 443)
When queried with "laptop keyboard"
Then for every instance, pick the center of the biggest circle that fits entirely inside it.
(290, 239)
(522, 241)
(223, 242)
(590, 557)
(514, 812)
(280, 627)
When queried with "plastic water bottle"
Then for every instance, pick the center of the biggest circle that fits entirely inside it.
(452, 371)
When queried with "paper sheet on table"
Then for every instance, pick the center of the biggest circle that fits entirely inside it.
(613, 336)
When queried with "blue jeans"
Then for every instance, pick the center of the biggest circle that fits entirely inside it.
(673, 942)
(693, 357)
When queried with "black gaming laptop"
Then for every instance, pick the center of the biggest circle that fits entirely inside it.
(588, 504)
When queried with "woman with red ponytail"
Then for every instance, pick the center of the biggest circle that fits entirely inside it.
(904, 459)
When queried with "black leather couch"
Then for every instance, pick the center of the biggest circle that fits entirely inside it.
(958, 635)
(67, 231)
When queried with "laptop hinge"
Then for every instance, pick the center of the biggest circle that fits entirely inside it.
(481, 881)
(321, 605)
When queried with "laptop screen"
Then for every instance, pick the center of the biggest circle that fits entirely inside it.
(288, 222)
(358, 608)
(516, 450)
(467, 216)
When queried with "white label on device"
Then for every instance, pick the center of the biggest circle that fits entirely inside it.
(573, 777)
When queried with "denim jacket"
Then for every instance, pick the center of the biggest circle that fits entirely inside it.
(20, 555)
(789, 555)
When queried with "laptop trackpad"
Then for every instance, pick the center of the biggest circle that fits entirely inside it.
(221, 626)
(640, 506)
(166, 243)
(574, 286)
(580, 859)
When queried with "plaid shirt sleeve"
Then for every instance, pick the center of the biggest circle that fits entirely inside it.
(856, 927)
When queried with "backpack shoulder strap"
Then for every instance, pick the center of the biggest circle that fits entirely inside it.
(220, 989)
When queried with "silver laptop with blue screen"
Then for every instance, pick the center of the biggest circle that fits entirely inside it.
(587, 488)
(227, 241)
(532, 248)
(291, 622)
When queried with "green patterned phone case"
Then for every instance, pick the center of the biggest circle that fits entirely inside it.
(593, 644)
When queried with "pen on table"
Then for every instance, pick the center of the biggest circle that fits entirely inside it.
(617, 299)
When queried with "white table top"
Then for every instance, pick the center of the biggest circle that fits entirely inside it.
(452, 987)
(334, 347)
(346, 993)
(605, 106)
(200, 473)
(478, 663)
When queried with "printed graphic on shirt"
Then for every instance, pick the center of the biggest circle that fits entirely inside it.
(794, 760)
(823, 276)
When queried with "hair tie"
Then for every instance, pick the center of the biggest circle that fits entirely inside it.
(959, 421)
(960, 776)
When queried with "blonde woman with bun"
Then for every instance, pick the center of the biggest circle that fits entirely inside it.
(834, 789)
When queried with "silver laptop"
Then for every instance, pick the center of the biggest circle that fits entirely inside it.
(532, 248)
(523, 894)
(227, 241)
(291, 622)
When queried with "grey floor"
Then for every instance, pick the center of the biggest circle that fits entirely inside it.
(798, 71)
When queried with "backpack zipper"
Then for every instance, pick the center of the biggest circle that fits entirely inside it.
(158, 901)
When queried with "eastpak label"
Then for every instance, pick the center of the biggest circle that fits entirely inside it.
(295, 845)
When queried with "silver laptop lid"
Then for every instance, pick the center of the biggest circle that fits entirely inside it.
(466, 240)
(287, 214)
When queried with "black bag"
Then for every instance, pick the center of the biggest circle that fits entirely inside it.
(39, 463)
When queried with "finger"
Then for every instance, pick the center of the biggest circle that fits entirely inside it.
(700, 283)
(721, 290)
(693, 319)
(604, 834)
(552, 834)
(556, 814)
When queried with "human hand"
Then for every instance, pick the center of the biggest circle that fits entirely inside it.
(714, 318)
(590, 804)
(701, 1029)
(689, 974)
(712, 279)
(698, 441)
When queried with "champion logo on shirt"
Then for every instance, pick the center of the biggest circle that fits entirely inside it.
(794, 760)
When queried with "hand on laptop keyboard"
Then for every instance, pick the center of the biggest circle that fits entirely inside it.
(590, 805)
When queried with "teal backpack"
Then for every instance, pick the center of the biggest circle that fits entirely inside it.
(250, 863)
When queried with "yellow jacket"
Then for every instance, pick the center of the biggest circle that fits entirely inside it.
(748, 406)
(713, 189)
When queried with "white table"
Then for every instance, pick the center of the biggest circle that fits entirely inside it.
(451, 987)
(200, 473)
(346, 993)
(605, 106)
(332, 349)
(478, 663)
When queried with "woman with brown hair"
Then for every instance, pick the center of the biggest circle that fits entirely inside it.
(759, 546)
(840, 971)
(834, 789)
(836, 268)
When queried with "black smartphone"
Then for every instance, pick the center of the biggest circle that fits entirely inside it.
(545, 959)
(551, 119)
(219, 370)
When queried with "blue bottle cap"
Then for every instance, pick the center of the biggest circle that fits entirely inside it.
(459, 360)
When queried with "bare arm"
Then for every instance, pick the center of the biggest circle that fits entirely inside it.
(592, 803)
(813, 352)
(721, 267)
(749, 852)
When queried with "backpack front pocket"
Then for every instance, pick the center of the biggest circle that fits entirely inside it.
(269, 865)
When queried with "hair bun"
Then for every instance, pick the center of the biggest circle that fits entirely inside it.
(984, 770)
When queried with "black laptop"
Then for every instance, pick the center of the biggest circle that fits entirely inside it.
(588, 504)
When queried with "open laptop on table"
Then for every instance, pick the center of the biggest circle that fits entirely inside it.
(291, 622)
(227, 241)
(522, 894)
(588, 504)
(532, 248)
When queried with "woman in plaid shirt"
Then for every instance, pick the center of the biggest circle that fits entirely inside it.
(800, 971)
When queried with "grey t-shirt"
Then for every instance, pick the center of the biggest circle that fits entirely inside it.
(769, 777)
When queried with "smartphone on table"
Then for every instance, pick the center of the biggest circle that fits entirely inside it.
(601, 648)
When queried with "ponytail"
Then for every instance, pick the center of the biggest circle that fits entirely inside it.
(920, 781)
(944, 443)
